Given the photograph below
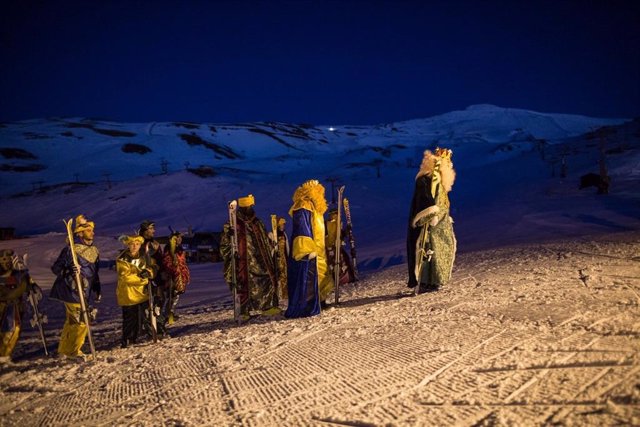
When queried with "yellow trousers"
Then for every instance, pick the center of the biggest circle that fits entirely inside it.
(8, 341)
(74, 331)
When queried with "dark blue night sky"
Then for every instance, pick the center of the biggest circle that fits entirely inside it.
(320, 62)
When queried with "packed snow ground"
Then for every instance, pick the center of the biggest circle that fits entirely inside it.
(523, 335)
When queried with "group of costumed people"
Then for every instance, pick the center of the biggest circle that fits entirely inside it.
(145, 273)
(301, 272)
(307, 269)
(150, 282)
(261, 268)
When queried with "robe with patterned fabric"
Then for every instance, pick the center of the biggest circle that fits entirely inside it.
(432, 213)
(255, 267)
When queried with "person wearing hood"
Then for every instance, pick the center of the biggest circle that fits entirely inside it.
(308, 278)
(74, 331)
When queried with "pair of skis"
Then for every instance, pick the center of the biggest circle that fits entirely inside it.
(352, 241)
(343, 202)
(233, 207)
(274, 241)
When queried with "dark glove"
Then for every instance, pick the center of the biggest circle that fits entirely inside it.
(145, 274)
(75, 269)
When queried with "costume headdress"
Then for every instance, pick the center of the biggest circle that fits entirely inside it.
(245, 202)
(309, 195)
(82, 224)
(127, 240)
(443, 153)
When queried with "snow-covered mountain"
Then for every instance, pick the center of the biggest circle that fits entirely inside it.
(180, 174)
(54, 151)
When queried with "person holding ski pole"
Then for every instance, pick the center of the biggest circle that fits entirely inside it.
(65, 289)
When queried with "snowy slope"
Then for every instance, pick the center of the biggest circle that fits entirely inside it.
(504, 158)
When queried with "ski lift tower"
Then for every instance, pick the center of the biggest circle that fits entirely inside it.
(333, 182)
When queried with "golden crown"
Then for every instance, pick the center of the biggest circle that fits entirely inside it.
(245, 202)
(311, 183)
(83, 224)
(444, 153)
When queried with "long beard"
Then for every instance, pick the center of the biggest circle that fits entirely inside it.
(447, 173)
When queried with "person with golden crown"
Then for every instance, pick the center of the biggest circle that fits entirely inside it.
(308, 279)
(65, 290)
(431, 242)
(255, 267)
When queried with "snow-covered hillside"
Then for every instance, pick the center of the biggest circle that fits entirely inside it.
(508, 161)
(42, 153)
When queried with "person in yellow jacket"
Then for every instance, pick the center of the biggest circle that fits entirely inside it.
(131, 291)
(14, 286)
(308, 282)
